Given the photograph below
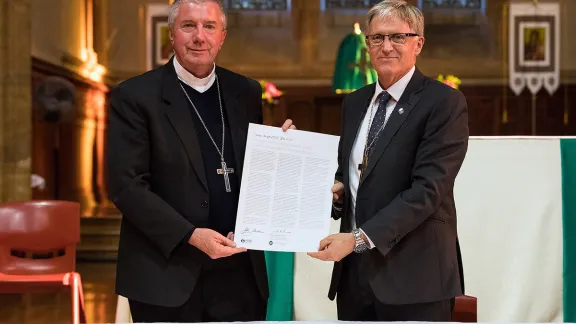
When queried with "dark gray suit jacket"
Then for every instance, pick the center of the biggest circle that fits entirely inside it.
(405, 201)
(157, 180)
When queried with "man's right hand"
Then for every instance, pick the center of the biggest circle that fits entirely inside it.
(337, 190)
(214, 244)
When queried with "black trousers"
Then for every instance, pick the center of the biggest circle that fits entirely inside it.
(356, 301)
(226, 291)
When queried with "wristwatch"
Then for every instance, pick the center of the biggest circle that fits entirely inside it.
(360, 246)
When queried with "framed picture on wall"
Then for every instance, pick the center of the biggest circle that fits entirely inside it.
(535, 42)
(158, 43)
(161, 44)
(534, 46)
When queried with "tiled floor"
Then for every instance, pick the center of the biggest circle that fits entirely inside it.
(99, 298)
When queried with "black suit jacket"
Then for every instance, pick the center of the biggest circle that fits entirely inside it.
(156, 179)
(405, 201)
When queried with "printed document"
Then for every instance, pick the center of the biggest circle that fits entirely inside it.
(285, 197)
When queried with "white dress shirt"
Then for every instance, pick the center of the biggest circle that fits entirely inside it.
(357, 154)
(199, 84)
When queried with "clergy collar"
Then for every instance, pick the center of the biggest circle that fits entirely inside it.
(397, 89)
(199, 84)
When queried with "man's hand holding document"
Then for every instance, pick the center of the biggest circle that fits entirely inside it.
(285, 197)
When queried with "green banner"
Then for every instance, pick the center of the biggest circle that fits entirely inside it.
(568, 149)
(353, 69)
(280, 267)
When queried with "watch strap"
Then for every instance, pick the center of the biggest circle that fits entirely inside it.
(360, 245)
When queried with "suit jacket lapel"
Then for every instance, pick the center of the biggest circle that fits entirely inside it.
(356, 114)
(235, 116)
(179, 116)
(406, 104)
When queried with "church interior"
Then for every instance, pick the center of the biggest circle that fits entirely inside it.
(60, 59)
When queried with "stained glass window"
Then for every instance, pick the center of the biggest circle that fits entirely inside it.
(257, 4)
(452, 4)
(350, 4)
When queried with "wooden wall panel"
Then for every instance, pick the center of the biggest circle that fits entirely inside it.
(493, 110)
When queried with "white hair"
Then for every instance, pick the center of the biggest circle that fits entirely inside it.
(398, 9)
(175, 8)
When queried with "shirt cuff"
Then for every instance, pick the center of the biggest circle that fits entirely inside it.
(370, 243)
(336, 208)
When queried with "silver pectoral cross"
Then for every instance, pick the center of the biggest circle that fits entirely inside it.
(225, 171)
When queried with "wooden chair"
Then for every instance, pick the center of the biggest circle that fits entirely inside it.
(38, 250)
(465, 309)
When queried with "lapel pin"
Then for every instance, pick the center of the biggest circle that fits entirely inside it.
(401, 111)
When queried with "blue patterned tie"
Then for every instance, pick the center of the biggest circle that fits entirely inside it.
(378, 120)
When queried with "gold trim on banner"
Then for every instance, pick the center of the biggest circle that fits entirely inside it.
(534, 96)
(504, 65)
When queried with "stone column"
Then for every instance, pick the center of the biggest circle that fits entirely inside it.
(15, 100)
(100, 29)
(306, 22)
(100, 147)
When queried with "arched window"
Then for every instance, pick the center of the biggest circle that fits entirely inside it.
(348, 4)
(468, 5)
(278, 5)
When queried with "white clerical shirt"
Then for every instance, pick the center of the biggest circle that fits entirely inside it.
(198, 84)
(395, 92)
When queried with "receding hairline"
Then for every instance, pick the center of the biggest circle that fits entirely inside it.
(397, 9)
(174, 10)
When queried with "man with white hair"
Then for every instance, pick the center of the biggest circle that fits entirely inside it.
(402, 144)
(177, 139)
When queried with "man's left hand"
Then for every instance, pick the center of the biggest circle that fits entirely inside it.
(288, 125)
(335, 247)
